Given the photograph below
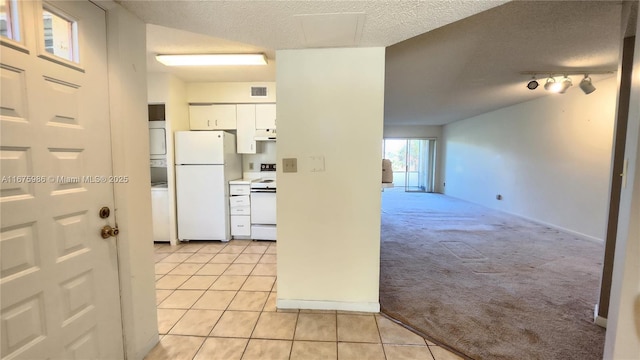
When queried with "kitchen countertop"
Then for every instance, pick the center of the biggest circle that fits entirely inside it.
(241, 182)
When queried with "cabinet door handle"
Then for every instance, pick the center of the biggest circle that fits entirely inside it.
(208, 123)
(216, 122)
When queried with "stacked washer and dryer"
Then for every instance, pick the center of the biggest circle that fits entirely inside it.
(158, 170)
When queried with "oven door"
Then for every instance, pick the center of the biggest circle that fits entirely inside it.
(263, 207)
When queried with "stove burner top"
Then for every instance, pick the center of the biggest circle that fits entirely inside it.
(264, 184)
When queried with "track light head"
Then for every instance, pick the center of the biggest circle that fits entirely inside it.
(533, 84)
(565, 84)
(552, 85)
(586, 85)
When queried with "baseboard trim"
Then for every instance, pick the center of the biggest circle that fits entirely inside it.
(537, 221)
(372, 307)
(558, 227)
(599, 320)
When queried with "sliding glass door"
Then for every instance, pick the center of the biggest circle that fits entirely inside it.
(413, 163)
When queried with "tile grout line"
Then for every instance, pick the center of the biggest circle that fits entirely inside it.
(337, 339)
(384, 352)
(293, 337)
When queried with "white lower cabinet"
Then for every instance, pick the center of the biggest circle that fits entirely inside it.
(240, 210)
(241, 225)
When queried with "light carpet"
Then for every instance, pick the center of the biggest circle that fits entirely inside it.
(488, 284)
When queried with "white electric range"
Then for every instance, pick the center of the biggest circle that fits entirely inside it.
(263, 204)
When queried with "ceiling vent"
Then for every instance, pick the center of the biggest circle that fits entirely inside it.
(258, 91)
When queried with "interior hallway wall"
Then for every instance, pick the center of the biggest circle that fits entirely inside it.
(420, 132)
(126, 46)
(548, 158)
(330, 116)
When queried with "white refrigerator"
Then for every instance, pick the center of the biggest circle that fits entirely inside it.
(205, 162)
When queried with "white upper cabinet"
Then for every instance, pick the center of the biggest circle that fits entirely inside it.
(246, 121)
(265, 116)
(212, 117)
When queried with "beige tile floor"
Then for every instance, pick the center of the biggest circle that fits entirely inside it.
(218, 301)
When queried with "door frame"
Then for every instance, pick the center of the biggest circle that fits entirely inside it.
(127, 76)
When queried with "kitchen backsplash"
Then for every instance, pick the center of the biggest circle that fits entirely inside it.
(267, 155)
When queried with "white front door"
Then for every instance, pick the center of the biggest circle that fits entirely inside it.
(59, 283)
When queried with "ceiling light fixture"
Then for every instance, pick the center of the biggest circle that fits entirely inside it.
(533, 84)
(586, 85)
(212, 59)
(561, 85)
(565, 84)
(551, 84)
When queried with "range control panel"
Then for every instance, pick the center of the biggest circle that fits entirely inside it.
(267, 167)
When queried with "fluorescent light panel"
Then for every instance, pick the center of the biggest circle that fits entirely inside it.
(212, 59)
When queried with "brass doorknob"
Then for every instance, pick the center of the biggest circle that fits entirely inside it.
(107, 232)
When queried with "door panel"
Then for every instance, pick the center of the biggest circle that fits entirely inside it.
(59, 281)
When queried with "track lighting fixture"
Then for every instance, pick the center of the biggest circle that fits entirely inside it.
(586, 85)
(551, 84)
(556, 86)
(561, 84)
(565, 84)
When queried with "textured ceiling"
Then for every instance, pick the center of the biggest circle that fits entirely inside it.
(274, 24)
(474, 66)
(443, 62)
(265, 26)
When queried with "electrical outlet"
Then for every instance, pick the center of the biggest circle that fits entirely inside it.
(290, 165)
(250, 166)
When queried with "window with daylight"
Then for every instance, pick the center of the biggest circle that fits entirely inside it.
(9, 20)
(60, 35)
(413, 163)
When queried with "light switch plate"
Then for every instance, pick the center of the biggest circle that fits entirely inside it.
(290, 165)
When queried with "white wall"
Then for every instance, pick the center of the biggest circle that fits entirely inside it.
(169, 90)
(420, 132)
(330, 104)
(623, 324)
(412, 131)
(228, 92)
(126, 45)
(549, 159)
